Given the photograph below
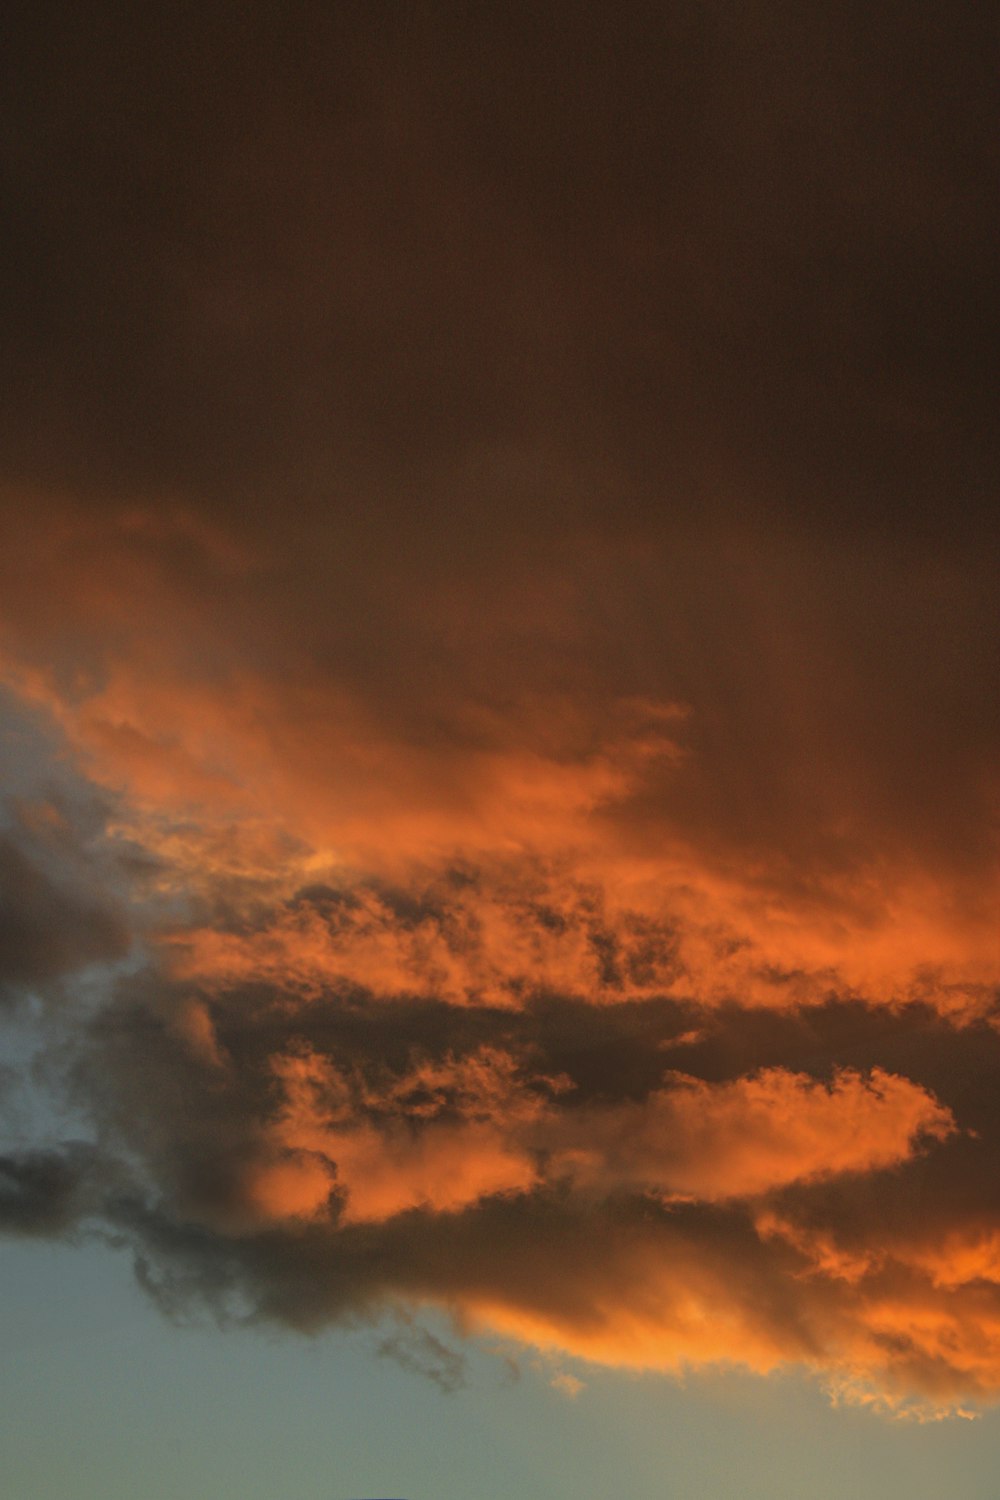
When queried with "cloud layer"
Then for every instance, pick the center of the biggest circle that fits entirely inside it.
(498, 638)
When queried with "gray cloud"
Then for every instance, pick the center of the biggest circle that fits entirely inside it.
(48, 1193)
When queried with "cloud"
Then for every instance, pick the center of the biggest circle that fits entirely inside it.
(555, 1109)
(511, 843)
(46, 1193)
(287, 1166)
(747, 1136)
(497, 634)
(419, 1350)
(50, 927)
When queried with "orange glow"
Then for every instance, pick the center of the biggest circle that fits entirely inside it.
(291, 1189)
(299, 859)
(742, 1139)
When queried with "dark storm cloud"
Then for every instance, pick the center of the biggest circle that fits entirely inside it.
(644, 351)
(746, 252)
(49, 928)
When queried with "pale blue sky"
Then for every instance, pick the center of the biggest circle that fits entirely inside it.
(104, 1400)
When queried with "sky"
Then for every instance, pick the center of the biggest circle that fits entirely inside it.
(499, 896)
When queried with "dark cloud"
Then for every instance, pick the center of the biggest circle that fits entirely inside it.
(422, 1352)
(49, 929)
(755, 247)
(842, 1270)
(48, 1192)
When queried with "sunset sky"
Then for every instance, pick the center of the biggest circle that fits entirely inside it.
(499, 665)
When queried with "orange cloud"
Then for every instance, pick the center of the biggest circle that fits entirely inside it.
(390, 1167)
(443, 1137)
(499, 997)
(746, 1137)
(190, 684)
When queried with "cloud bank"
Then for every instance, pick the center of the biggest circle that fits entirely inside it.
(498, 638)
